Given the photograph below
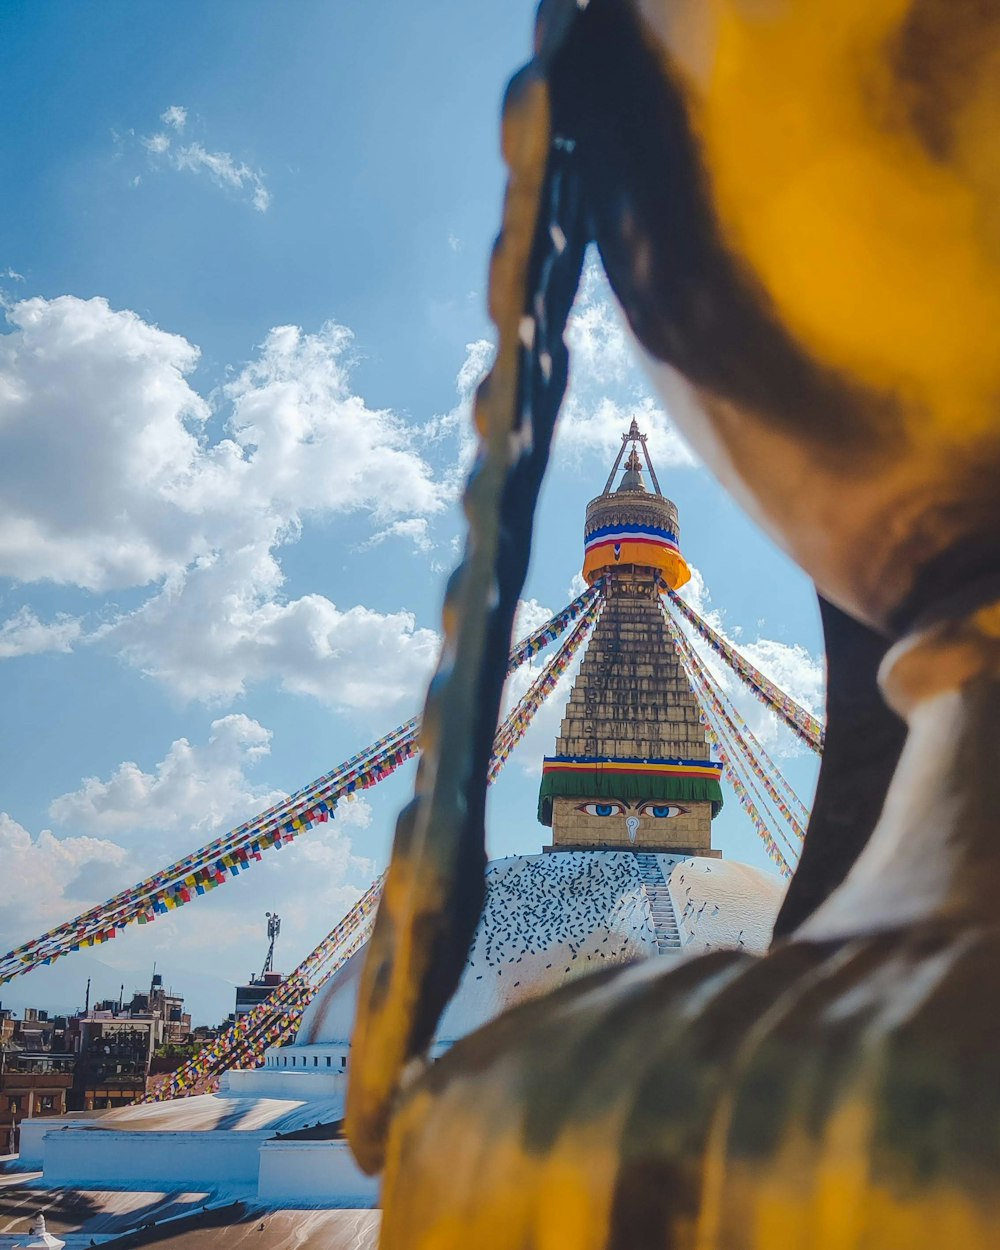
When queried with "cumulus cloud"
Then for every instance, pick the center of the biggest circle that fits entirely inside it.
(606, 389)
(530, 615)
(413, 529)
(156, 144)
(193, 788)
(99, 445)
(456, 424)
(137, 820)
(312, 442)
(108, 480)
(118, 483)
(606, 392)
(40, 881)
(596, 424)
(24, 634)
(222, 628)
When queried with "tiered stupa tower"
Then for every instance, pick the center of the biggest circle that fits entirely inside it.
(632, 768)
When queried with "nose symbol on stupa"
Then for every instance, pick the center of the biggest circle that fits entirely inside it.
(632, 825)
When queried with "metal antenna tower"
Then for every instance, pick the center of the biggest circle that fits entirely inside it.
(273, 929)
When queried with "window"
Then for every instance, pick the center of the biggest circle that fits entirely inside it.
(328, 1061)
(285, 1061)
(46, 1102)
(315, 1061)
(343, 1062)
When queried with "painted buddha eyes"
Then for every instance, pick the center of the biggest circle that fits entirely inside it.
(659, 811)
(602, 809)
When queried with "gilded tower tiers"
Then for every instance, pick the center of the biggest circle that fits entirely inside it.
(632, 768)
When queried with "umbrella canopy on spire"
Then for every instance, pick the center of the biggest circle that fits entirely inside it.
(632, 478)
(631, 526)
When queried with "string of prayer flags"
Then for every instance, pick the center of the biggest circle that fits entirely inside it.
(756, 760)
(229, 855)
(275, 1019)
(707, 699)
(802, 723)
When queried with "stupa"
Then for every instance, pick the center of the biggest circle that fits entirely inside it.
(630, 793)
(632, 767)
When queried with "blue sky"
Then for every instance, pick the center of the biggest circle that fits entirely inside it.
(242, 256)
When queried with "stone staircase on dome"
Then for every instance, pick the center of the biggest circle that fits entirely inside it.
(661, 905)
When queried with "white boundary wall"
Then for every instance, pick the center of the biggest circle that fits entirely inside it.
(313, 1173)
(87, 1158)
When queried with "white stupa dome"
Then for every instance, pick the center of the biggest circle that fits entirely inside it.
(550, 918)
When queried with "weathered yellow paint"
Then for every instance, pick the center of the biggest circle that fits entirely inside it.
(841, 1093)
(882, 258)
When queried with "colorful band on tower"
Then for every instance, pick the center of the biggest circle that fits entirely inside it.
(631, 526)
(581, 776)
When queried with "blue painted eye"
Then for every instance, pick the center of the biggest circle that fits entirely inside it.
(601, 809)
(661, 811)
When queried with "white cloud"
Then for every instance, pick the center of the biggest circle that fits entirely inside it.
(156, 144)
(222, 627)
(220, 167)
(175, 116)
(194, 789)
(695, 592)
(606, 391)
(597, 424)
(99, 444)
(24, 634)
(600, 348)
(224, 172)
(606, 388)
(107, 479)
(530, 615)
(42, 877)
(414, 529)
(457, 423)
(152, 817)
(311, 443)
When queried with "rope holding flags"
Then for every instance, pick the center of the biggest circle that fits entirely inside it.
(751, 750)
(552, 629)
(802, 723)
(234, 852)
(734, 751)
(516, 723)
(276, 1020)
(231, 854)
